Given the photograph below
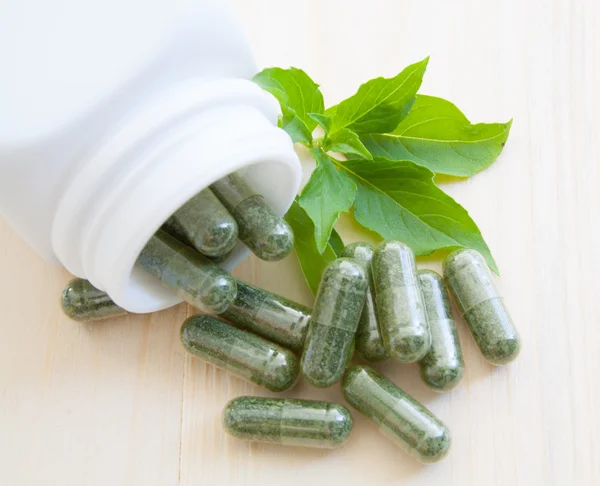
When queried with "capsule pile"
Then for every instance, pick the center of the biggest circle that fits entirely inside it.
(374, 300)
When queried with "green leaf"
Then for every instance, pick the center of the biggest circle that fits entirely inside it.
(298, 96)
(295, 127)
(346, 142)
(311, 261)
(323, 120)
(336, 242)
(399, 200)
(381, 104)
(437, 135)
(327, 193)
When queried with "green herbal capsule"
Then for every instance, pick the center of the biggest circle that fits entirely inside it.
(443, 366)
(399, 301)
(288, 421)
(83, 302)
(267, 235)
(470, 280)
(368, 338)
(338, 306)
(399, 416)
(185, 271)
(244, 354)
(274, 317)
(205, 224)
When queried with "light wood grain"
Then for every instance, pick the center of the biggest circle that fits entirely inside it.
(120, 403)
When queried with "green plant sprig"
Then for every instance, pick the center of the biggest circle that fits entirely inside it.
(393, 141)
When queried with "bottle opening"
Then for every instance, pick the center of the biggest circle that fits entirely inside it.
(274, 180)
(153, 166)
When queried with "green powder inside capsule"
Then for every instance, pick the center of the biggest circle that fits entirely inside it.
(338, 306)
(204, 224)
(267, 235)
(400, 417)
(399, 302)
(188, 274)
(470, 280)
(272, 316)
(288, 421)
(368, 337)
(244, 354)
(443, 366)
(83, 302)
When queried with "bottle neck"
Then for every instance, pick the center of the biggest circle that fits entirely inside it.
(153, 164)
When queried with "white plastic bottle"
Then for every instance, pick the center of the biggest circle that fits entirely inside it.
(114, 113)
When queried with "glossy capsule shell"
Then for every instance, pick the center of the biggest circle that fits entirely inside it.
(267, 235)
(400, 417)
(399, 302)
(443, 366)
(369, 344)
(269, 315)
(332, 327)
(242, 353)
(205, 224)
(288, 421)
(471, 283)
(219, 259)
(82, 302)
(188, 274)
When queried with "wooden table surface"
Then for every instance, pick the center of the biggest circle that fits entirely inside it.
(120, 403)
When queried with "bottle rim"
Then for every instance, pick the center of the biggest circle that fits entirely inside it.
(158, 160)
